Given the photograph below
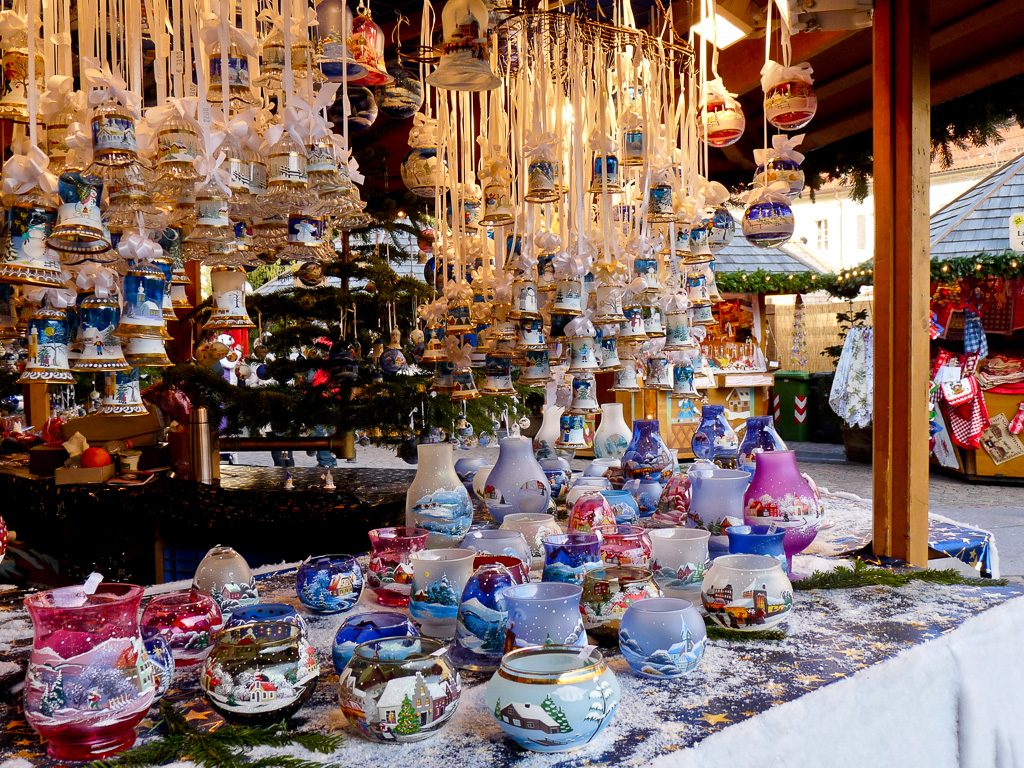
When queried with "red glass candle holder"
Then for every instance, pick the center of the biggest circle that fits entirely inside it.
(89, 680)
(390, 573)
(625, 545)
(186, 620)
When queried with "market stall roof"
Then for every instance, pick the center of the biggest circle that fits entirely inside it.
(740, 256)
(978, 220)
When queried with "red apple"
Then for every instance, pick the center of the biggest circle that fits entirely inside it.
(95, 457)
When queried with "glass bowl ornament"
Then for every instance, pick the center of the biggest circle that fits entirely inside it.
(89, 680)
(679, 558)
(779, 495)
(361, 628)
(362, 111)
(403, 98)
(389, 574)
(746, 592)
(483, 616)
(224, 575)
(260, 673)
(721, 120)
(568, 556)
(607, 593)
(789, 98)
(329, 583)
(265, 612)
(768, 219)
(662, 637)
(553, 698)
(590, 511)
(544, 613)
(186, 620)
(400, 689)
(625, 544)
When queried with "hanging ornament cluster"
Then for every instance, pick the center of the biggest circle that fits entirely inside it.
(226, 158)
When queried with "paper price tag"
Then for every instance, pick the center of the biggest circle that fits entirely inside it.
(1017, 232)
(177, 62)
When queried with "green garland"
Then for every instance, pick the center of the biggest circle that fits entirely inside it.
(848, 282)
(864, 575)
(226, 747)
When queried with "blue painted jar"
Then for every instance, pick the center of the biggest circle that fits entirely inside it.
(760, 436)
(329, 583)
(264, 612)
(364, 627)
(624, 505)
(757, 540)
(662, 637)
(483, 616)
(568, 556)
(714, 439)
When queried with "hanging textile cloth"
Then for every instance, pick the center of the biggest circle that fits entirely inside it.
(853, 386)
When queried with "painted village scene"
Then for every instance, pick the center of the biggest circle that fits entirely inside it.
(678, 659)
(754, 607)
(232, 595)
(445, 512)
(110, 683)
(567, 718)
(437, 600)
(605, 603)
(687, 575)
(389, 575)
(248, 690)
(332, 592)
(404, 708)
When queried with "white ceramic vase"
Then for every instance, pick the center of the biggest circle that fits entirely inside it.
(437, 500)
(613, 433)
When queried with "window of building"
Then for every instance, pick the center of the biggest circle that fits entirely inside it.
(822, 226)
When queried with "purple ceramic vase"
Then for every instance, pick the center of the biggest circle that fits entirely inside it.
(779, 495)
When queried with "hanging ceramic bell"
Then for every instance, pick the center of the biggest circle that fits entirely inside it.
(14, 104)
(609, 349)
(659, 372)
(465, 51)
(27, 260)
(608, 307)
(497, 376)
(572, 432)
(634, 328)
(434, 351)
(660, 203)
(498, 210)
(366, 46)
(606, 180)
(524, 297)
(583, 354)
(165, 264)
(113, 135)
(540, 181)
(697, 288)
(144, 291)
(442, 382)
(652, 322)
(682, 380)
(701, 314)
(122, 395)
(457, 316)
(79, 227)
(101, 349)
(334, 27)
(305, 240)
(146, 352)
(677, 331)
(47, 361)
(463, 384)
(626, 379)
(568, 297)
(584, 394)
(537, 368)
(228, 300)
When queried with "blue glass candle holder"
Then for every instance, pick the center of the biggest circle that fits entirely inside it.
(249, 614)
(364, 627)
(758, 540)
(329, 583)
(568, 556)
(662, 637)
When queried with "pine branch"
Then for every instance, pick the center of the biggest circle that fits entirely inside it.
(863, 575)
(718, 632)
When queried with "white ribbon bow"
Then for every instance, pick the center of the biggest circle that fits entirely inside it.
(57, 298)
(210, 34)
(213, 172)
(110, 85)
(581, 326)
(494, 170)
(26, 169)
(345, 159)
(773, 73)
(602, 143)
(541, 145)
(783, 148)
(547, 241)
(423, 133)
(306, 114)
(673, 303)
(502, 288)
(776, 192)
(138, 246)
(434, 312)
(713, 192)
(58, 97)
(101, 280)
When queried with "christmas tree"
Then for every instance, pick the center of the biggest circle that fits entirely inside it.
(408, 722)
(442, 593)
(555, 713)
(497, 708)
(53, 697)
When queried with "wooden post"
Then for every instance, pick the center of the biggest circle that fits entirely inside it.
(37, 404)
(901, 168)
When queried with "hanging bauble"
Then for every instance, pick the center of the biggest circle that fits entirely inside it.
(392, 359)
(423, 171)
(781, 162)
(403, 98)
(721, 119)
(768, 220)
(465, 63)
(366, 47)
(47, 361)
(310, 274)
(79, 227)
(789, 99)
(122, 395)
(27, 260)
(362, 109)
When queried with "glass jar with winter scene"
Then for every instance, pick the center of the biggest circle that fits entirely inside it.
(89, 681)
(553, 698)
(389, 575)
(607, 593)
(662, 637)
(261, 672)
(329, 583)
(746, 592)
(400, 689)
(186, 620)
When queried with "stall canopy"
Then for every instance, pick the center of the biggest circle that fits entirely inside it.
(740, 256)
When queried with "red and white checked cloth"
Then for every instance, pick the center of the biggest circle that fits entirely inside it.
(969, 419)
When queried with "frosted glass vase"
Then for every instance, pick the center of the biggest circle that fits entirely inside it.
(547, 435)
(517, 478)
(613, 433)
(437, 500)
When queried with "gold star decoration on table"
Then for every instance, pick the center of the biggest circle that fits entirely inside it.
(196, 714)
(808, 679)
(712, 719)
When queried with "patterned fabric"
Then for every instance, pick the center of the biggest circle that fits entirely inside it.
(854, 383)
(975, 341)
(969, 418)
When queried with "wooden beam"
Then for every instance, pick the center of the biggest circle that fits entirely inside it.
(901, 167)
(37, 404)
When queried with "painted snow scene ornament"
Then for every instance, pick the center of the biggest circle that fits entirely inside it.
(329, 583)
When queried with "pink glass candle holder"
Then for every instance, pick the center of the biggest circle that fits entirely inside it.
(89, 680)
(390, 573)
(186, 620)
(625, 545)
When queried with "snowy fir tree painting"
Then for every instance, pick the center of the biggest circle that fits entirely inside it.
(437, 601)
(445, 512)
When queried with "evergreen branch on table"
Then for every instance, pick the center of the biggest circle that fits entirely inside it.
(863, 575)
(227, 747)
(718, 632)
